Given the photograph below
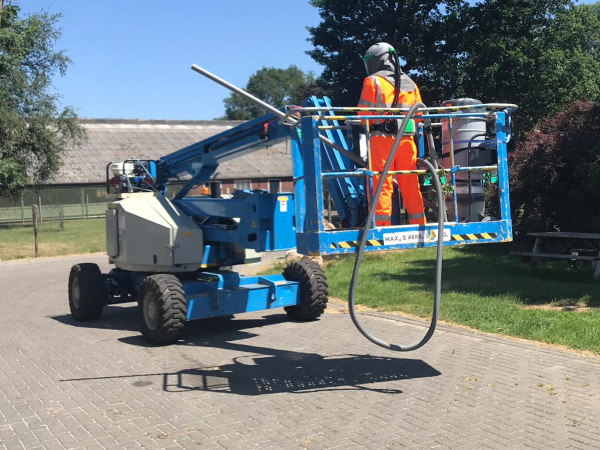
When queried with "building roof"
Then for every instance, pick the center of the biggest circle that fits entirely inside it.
(109, 140)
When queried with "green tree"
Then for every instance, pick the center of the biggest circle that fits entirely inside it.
(33, 129)
(540, 54)
(277, 87)
(418, 29)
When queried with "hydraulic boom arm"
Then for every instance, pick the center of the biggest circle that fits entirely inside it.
(200, 160)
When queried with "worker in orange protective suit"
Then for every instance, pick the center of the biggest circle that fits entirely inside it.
(379, 91)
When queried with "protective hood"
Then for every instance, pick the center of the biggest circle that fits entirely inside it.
(379, 61)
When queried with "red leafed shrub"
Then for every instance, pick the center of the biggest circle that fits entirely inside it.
(555, 173)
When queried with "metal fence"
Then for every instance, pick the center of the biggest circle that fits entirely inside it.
(22, 214)
(66, 202)
(76, 202)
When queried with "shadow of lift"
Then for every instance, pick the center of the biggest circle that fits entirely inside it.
(310, 373)
(267, 370)
(291, 372)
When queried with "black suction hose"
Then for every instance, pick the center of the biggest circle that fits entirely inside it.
(363, 240)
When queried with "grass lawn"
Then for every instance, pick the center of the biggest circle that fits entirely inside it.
(484, 288)
(79, 236)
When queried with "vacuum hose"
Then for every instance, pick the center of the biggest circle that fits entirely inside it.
(363, 240)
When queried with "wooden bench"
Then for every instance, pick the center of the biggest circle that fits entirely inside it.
(564, 245)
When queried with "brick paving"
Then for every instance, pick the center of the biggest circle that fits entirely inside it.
(262, 382)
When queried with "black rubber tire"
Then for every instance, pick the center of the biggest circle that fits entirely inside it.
(313, 289)
(162, 309)
(87, 292)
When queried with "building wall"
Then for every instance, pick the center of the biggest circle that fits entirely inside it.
(82, 201)
(267, 184)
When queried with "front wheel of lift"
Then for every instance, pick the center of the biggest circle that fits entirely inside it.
(313, 289)
(162, 308)
(87, 292)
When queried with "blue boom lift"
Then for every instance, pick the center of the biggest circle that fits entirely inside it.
(173, 256)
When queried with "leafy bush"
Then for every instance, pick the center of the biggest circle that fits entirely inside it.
(555, 173)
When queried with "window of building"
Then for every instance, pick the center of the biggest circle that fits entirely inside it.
(242, 184)
(274, 186)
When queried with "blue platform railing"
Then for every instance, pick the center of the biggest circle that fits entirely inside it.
(314, 239)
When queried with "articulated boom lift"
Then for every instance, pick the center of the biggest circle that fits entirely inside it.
(173, 256)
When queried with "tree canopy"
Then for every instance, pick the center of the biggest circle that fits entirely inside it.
(414, 27)
(277, 87)
(33, 129)
(539, 54)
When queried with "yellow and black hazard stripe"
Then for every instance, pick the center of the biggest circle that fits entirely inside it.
(379, 242)
(354, 244)
(473, 236)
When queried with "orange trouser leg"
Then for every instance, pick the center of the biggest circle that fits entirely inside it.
(406, 159)
(380, 149)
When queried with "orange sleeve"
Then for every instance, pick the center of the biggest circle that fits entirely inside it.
(417, 95)
(367, 96)
(412, 98)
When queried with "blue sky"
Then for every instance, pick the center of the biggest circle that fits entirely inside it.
(132, 58)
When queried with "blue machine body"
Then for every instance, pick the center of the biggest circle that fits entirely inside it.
(224, 293)
(264, 221)
(268, 222)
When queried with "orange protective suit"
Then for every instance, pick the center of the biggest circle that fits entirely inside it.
(378, 92)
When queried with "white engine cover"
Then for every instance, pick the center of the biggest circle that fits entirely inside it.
(146, 232)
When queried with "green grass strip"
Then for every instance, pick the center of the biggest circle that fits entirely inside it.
(484, 288)
(78, 236)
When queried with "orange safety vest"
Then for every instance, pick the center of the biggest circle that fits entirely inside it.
(377, 92)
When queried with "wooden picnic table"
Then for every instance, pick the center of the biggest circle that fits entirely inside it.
(564, 245)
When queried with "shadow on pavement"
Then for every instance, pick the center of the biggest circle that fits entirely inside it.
(121, 317)
(290, 372)
(114, 317)
(265, 370)
(297, 373)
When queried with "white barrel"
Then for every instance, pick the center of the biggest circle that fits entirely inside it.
(468, 136)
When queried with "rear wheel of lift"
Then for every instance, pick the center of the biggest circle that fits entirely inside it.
(87, 292)
(313, 289)
(163, 309)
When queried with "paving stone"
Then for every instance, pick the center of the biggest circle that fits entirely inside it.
(261, 381)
